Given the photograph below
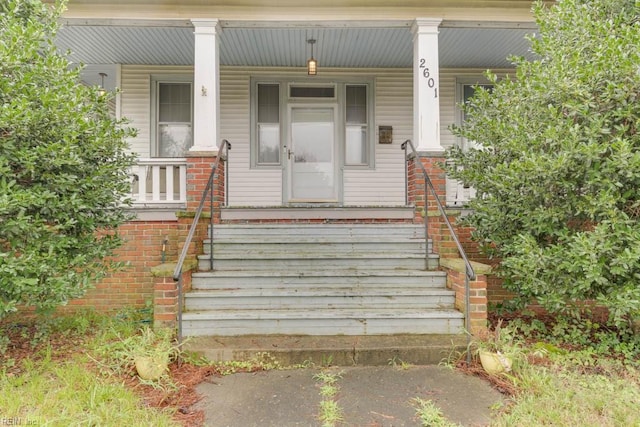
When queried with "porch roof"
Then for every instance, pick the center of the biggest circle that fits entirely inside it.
(344, 44)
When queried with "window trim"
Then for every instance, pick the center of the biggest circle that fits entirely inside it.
(253, 134)
(340, 85)
(157, 79)
(461, 82)
(371, 130)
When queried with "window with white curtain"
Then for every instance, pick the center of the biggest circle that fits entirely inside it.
(173, 128)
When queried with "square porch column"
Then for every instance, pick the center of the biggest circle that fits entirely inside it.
(426, 90)
(206, 86)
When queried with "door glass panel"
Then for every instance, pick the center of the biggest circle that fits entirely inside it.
(313, 153)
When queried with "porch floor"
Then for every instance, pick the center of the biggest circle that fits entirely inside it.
(317, 212)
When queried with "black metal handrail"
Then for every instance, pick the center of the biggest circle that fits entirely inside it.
(470, 274)
(208, 190)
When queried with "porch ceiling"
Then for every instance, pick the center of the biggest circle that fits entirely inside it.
(354, 45)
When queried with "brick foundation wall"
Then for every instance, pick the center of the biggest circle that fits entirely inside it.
(137, 284)
(133, 285)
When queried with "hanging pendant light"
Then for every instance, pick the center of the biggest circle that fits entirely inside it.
(102, 90)
(312, 64)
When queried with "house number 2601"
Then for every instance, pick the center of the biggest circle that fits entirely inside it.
(427, 75)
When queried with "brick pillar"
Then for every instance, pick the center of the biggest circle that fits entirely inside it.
(199, 166)
(416, 194)
(477, 290)
(165, 293)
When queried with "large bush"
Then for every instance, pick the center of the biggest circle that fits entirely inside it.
(557, 164)
(63, 166)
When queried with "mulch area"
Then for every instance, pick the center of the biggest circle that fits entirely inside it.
(179, 398)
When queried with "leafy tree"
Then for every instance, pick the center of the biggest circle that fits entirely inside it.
(63, 166)
(557, 163)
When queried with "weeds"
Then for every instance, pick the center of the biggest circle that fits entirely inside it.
(330, 411)
(430, 415)
(261, 361)
(56, 382)
(398, 363)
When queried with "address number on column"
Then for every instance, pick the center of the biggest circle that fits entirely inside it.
(427, 75)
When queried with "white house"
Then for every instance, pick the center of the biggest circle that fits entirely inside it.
(308, 146)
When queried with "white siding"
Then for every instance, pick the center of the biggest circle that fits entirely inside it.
(247, 187)
(383, 185)
(136, 100)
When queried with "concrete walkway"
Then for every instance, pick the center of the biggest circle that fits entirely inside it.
(369, 396)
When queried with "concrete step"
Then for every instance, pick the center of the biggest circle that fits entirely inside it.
(313, 261)
(299, 230)
(317, 297)
(324, 321)
(404, 279)
(319, 245)
(333, 350)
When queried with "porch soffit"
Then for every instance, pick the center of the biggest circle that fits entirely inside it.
(342, 44)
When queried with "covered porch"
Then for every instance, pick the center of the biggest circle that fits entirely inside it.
(405, 76)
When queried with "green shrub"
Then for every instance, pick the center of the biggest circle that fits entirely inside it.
(63, 166)
(557, 168)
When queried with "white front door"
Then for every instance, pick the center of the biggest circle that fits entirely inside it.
(311, 155)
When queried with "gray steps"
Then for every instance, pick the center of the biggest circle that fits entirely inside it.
(348, 321)
(310, 260)
(319, 279)
(317, 297)
(335, 350)
(406, 279)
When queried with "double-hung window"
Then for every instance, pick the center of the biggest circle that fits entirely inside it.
(172, 106)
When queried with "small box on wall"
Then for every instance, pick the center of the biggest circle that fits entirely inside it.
(385, 134)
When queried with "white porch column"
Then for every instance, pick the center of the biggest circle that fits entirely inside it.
(426, 90)
(206, 86)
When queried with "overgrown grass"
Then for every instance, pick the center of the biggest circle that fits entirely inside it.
(566, 377)
(574, 390)
(58, 382)
(68, 394)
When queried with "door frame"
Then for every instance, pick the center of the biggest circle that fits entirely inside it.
(288, 162)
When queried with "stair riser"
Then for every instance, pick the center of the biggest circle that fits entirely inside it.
(319, 301)
(266, 282)
(323, 230)
(315, 247)
(306, 264)
(322, 326)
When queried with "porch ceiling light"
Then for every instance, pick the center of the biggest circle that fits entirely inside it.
(102, 90)
(312, 64)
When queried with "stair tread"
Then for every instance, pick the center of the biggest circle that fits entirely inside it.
(322, 313)
(347, 291)
(319, 273)
(314, 255)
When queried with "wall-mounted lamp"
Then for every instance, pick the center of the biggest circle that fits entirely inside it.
(312, 64)
(102, 90)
